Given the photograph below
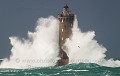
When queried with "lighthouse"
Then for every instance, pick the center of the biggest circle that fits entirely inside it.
(66, 19)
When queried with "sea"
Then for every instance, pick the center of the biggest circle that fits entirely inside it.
(81, 69)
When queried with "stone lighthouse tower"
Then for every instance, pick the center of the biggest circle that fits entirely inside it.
(66, 19)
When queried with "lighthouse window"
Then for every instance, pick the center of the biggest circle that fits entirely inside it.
(62, 30)
(62, 38)
(62, 20)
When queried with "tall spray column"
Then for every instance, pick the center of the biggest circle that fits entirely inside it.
(66, 19)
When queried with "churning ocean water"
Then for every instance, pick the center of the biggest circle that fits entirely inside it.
(81, 69)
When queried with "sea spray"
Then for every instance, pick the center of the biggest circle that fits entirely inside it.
(83, 48)
(39, 50)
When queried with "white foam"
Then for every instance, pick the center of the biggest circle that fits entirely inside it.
(41, 48)
(82, 47)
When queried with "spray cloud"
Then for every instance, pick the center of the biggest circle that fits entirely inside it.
(41, 49)
(82, 47)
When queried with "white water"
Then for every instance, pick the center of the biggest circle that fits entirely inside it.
(82, 47)
(41, 48)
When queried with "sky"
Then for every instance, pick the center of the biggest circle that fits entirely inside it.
(17, 17)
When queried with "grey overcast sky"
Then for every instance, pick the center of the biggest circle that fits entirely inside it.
(103, 16)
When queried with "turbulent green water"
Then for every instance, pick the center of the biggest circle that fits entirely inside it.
(82, 69)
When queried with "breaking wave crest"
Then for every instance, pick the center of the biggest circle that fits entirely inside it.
(41, 48)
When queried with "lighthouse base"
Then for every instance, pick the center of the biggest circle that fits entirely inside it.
(64, 58)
